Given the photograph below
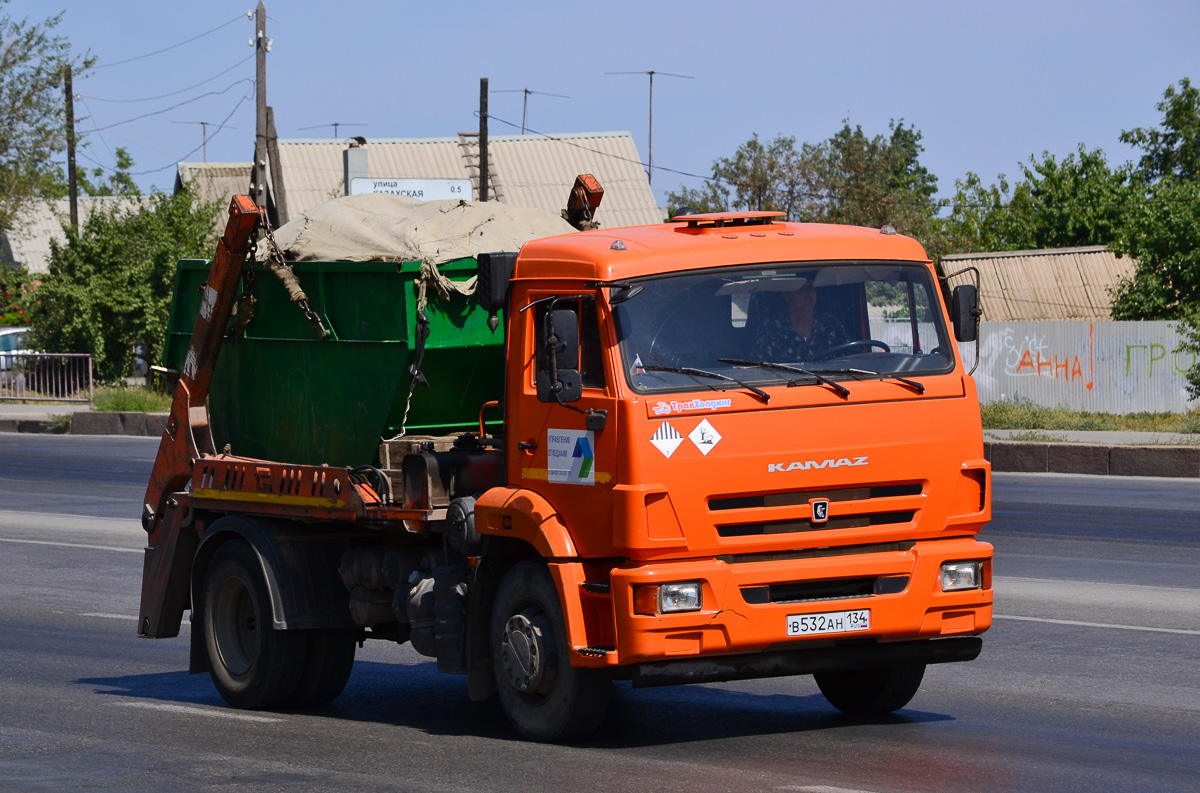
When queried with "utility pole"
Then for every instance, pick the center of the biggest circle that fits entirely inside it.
(483, 154)
(258, 183)
(72, 180)
(650, 136)
(281, 210)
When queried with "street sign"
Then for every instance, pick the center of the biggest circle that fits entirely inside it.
(423, 189)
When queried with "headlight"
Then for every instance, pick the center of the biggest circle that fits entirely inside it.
(679, 597)
(961, 575)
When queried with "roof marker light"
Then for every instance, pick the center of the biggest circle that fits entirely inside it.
(618, 245)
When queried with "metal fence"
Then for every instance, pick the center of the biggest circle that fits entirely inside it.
(1103, 367)
(45, 377)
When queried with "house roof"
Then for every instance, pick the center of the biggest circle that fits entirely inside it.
(41, 220)
(531, 171)
(1050, 284)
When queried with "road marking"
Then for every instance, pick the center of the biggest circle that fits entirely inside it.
(195, 711)
(1097, 624)
(820, 789)
(186, 621)
(76, 545)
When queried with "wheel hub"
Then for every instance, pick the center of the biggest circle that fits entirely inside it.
(525, 652)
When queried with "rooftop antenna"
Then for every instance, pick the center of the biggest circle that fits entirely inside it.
(650, 136)
(525, 104)
(204, 132)
(335, 126)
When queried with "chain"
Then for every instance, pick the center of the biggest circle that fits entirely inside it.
(298, 296)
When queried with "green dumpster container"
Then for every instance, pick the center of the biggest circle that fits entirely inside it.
(280, 393)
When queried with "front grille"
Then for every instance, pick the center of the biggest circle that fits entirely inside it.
(833, 589)
(841, 522)
(803, 496)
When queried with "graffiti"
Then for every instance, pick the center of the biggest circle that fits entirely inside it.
(1110, 367)
(1033, 357)
(1147, 355)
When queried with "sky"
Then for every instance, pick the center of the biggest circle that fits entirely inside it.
(987, 84)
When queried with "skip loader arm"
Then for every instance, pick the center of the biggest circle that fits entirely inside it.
(169, 548)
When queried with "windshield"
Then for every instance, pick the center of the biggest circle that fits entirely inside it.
(795, 323)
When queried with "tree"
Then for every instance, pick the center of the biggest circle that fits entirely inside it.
(15, 288)
(119, 182)
(1171, 151)
(759, 176)
(1074, 202)
(849, 178)
(32, 59)
(109, 285)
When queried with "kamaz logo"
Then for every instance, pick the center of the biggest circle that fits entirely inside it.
(808, 465)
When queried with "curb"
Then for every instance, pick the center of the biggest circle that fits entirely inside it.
(1093, 458)
(89, 423)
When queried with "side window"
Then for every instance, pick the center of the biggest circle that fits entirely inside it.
(591, 360)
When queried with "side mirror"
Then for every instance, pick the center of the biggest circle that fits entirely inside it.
(558, 378)
(965, 312)
(494, 271)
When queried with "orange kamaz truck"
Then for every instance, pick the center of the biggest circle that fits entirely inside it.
(719, 448)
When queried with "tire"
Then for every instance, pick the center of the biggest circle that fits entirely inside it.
(327, 667)
(253, 665)
(544, 697)
(871, 692)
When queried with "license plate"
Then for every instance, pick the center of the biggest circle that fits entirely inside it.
(829, 622)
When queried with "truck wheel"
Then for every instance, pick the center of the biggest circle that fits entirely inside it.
(327, 667)
(544, 697)
(871, 692)
(252, 665)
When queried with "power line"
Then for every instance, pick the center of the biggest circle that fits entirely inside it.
(174, 93)
(177, 105)
(220, 126)
(168, 49)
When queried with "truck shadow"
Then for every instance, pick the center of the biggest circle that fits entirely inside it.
(415, 696)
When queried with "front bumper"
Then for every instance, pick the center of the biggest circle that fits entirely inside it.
(729, 625)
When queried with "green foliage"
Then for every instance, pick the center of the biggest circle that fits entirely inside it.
(119, 182)
(1023, 414)
(1172, 151)
(16, 286)
(32, 60)
(759, 176)
(123, 399)
(850, 178)
(1059, 204)
(109, 286)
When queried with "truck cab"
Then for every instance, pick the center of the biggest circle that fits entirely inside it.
(738, 499)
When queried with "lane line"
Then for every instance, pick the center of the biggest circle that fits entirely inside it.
(1096, 624)
(197, 711)
(75, 545)
(186, 621)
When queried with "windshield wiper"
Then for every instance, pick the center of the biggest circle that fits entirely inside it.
(913, 384)
(758, 392)
(783, 367)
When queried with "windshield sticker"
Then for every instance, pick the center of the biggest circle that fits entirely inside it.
(569, 457)
(667, 408)
(705, 437)
(666, 439)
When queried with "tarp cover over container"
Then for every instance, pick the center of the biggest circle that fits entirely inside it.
(280, 393)
(384, 227)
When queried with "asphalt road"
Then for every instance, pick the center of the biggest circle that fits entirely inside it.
(1090, 679)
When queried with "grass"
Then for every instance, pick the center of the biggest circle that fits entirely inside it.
(1023, 414)
(124, 399)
